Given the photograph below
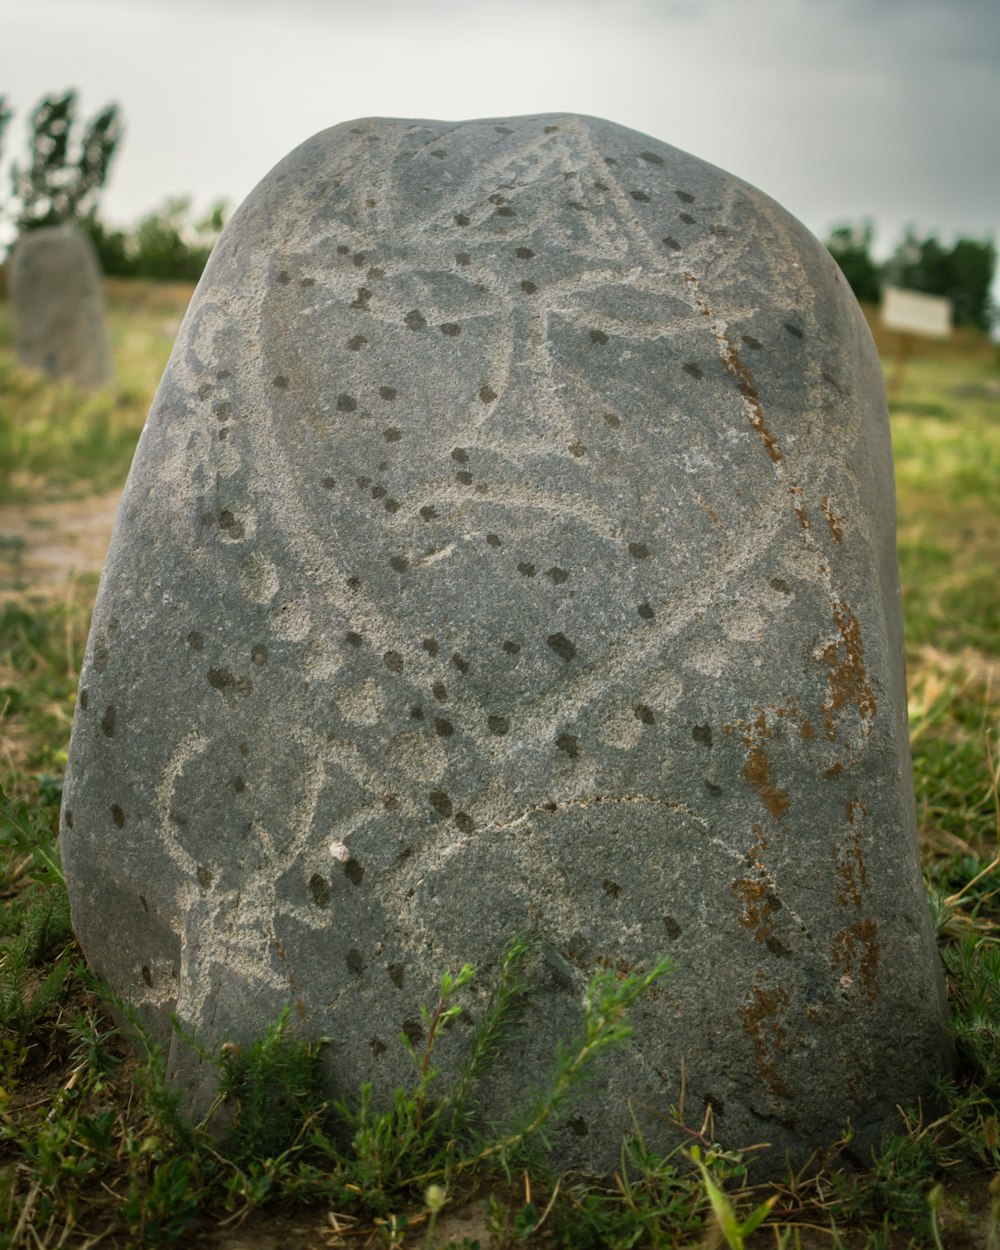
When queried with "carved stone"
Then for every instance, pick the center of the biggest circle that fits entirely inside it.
(510, 548)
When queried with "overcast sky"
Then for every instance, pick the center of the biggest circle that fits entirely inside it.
(839, 109)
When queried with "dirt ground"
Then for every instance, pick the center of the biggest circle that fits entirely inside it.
(44, 546)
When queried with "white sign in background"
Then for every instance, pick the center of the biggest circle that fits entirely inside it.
(912, 312)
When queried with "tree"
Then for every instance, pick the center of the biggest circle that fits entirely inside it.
(63, 180)
(5, 115)
(850, 246)
(165, 245)
(962, 274)
(973, 264)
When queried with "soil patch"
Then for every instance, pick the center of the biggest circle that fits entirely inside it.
(45, 545)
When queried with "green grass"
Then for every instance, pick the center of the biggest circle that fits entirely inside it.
(41, 649)
(948, 483)
(90, 1139)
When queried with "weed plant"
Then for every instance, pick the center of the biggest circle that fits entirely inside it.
(41, 649)
(93, 1149)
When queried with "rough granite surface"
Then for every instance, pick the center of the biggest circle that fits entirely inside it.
(510, 548)
(57, 306)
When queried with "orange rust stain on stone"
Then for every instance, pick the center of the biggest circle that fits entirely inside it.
(790, 708)
(853, 870)
(744, 378)
(738, 370)
(757, 904)
(757, 771)
(752, 731)
(760, 726)
(761, 1017)
(848, 679)
(756, 896)
(620, 967)
(712, 515)
(831, 518)
(800, 511)
(850, 858)
(755, 855)
(757, 767)
(856, 952)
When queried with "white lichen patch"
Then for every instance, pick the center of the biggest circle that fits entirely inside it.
(415, 755)
(290, 621)
(362, 704)
(259, 578)
(743, 620)
(321, 660)
(621, 728)
(708, 657)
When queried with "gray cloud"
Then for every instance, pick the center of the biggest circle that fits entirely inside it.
(838, 108)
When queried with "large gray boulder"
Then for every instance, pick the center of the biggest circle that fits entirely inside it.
(57, 306)
(510, 549)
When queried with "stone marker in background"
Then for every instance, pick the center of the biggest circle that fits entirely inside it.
(510, 549)
(57, 306)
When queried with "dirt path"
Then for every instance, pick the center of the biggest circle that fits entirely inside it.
(43, 546)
